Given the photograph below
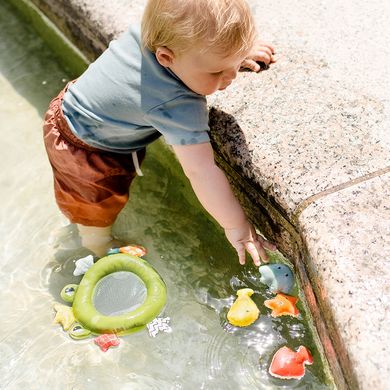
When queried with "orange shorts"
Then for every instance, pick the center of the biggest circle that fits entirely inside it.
(91, 185)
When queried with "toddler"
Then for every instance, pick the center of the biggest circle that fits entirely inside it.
(152, 81)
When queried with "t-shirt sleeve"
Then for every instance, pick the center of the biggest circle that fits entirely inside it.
(181, 121)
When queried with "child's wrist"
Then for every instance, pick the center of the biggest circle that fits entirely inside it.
(239, 225)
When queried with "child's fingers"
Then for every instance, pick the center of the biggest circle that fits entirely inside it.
(269, 245)
(263, 56)
(266, 244)
(250, 64)
(241, 253)
(253, 250)
(272, 48)
(261, 251)
(265, 44)
(264, 49)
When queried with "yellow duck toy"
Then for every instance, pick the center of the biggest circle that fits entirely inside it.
(243, 311)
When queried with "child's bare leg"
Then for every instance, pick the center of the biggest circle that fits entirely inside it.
(96, 239)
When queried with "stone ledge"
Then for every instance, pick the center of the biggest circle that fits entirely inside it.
(299, 142)
(344, 234)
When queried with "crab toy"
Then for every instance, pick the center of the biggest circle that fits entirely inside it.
(106, 341)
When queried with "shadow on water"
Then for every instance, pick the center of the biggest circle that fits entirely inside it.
(190, 252)
(23, 57)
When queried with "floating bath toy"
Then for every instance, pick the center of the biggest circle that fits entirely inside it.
(135, 250)
(243, 311)
(288, 364)
(159, 325)
(106, 341)
(64, 316)
(278, 277)
(282, 305)
(82, 318)
(83, 265)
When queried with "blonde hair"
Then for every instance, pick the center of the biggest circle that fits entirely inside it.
(225, 26)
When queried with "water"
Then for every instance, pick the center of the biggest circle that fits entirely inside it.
(189, 251)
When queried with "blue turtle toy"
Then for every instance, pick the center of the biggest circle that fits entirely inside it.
(278, 277)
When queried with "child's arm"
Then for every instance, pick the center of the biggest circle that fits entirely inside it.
(214, 193)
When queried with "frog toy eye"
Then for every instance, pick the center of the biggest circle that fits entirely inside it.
(68, 292)
(78, 332)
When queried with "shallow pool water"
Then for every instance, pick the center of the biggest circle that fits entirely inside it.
(189, 251)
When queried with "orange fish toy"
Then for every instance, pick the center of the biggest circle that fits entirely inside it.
(135, 250)
(288, 364)
(282, 305)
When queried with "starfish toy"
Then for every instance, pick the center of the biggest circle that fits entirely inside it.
(64, 316)
(106, 341)
(288, 364)
(282, 305)
(243, 311)
(83, 265)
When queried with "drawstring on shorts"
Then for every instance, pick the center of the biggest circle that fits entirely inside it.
(136, 163)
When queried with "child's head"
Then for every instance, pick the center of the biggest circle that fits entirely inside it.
(202, 41)
(225, 26)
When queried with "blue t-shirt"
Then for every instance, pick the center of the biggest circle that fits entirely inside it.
(126, 99)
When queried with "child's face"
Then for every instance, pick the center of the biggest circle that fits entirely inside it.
(204, 73)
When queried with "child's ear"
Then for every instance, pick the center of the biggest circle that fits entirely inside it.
(164, 56)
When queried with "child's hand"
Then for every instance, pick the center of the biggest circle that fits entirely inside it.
(261, 52)
(245, 238)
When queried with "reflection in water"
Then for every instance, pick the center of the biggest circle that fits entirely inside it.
(200, 269)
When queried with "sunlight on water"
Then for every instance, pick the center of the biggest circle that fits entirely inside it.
(39, 249)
